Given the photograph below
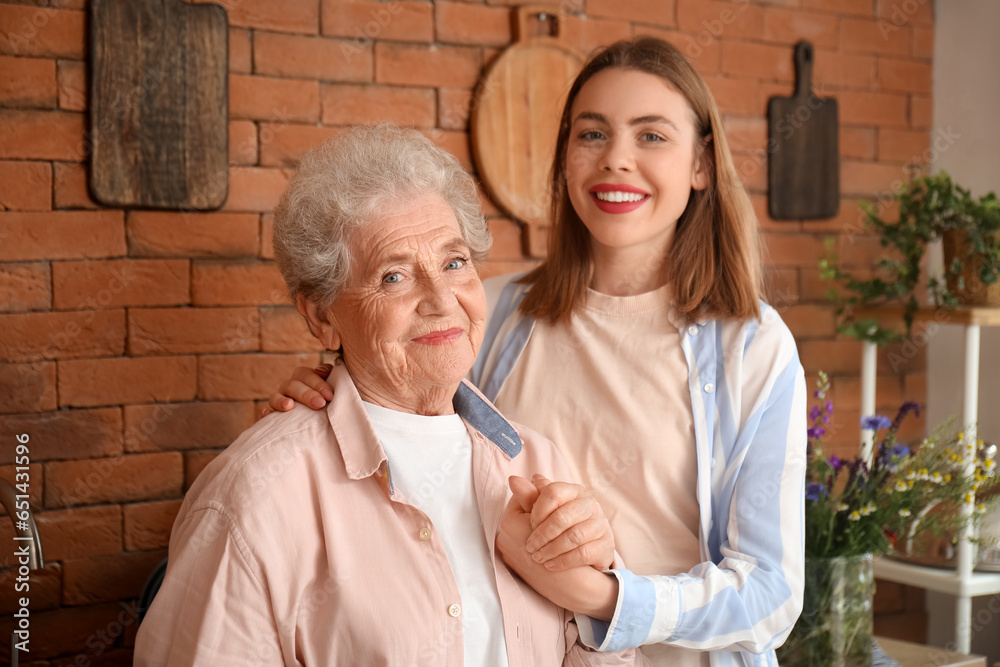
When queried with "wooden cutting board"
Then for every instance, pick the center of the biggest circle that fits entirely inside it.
(159, 104)
(803, 153)
(516, 113)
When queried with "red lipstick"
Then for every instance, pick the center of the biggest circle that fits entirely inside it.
(439, 337)
(615, 206)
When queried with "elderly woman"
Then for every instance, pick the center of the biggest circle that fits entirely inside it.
(364, 534)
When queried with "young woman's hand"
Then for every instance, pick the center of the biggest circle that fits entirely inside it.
(582, 589)
(569, 528)
(307, 386)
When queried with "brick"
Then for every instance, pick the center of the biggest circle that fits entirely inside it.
(833, 70)
(255, 188)
(456, 143)
(240, 51)
(764, 220)
(34, 336)
(41, 135)
(25, 186)
(900, 12)
(170, 234)
(793, 250)
(701, 49)
(904, 145)
(147, 525)
(501, 267)
(413, 65)
(888, 392)
(121, 282)
(832, 356)
(296, 56)
(507, 242)
(28, 387)
(45, 586)
(871, 36)
(61, 235)
(788, 26)
(70, 186)
(284, 330)
(184, 426)
(454, 107)
(286, 144)
(739, 97)
(752, 170)
(113, 480)
(364, 20)
(66, 630)
(475, 25)
(356, 105)
(194, 463)
(880, 109)
(298, 16)
(192, 330)
(108, 578)
(246, 376)
(712, 21)
(81, 532)
(24, 287)
(781, 286)
(757, 61)
(238, 284)
(921, 111)
(859, 249)
(27, 82)
(809, 321)
(91, 382)
(243, 142)
(905, 76)
(746, 134)
(71, 79)
(66, 434)
(267, 236)
(923, 43)
(586, 33)
(641, 11)
(35, 31)
(865, 178)
(35, 494)
(269, 98)
(857, 142)
(848, 220)
(846, 7)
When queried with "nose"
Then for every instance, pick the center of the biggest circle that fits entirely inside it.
(436, 297)
(617, 155)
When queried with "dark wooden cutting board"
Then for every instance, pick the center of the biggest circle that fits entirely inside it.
(803, 152)
(159, 104)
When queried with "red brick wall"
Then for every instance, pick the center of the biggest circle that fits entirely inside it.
(135, 344)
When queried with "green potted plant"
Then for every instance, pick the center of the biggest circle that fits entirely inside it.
(930, 208)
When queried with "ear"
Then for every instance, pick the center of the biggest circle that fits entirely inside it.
(702, 164)
(320, 322)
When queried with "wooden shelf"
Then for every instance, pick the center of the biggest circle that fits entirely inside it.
(980, 316)
(942, 580)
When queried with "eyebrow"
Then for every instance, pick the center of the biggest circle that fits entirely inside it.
(641, 120)
(397, 257)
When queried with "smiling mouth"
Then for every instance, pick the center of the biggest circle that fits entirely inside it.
(618, 196)
(439, 337)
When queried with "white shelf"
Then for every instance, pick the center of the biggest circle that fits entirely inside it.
(942, 580)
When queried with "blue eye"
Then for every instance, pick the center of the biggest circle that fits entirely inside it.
(392, 278)
(591, 135)
(651, 137)
(455, 264)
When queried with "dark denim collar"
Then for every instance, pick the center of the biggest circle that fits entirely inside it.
(476, 410)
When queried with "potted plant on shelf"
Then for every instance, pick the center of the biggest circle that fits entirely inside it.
(930, 208)
(855, 509)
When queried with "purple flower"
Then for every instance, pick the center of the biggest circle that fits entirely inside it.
(875, 423)
(905, 409)
(835, 462)
(814, 490)
(829, 407)
(900, 450)
(816, 431)
(814, 413)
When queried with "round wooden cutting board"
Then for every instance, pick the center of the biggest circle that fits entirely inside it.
(516, 112)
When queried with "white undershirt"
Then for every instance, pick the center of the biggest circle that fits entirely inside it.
(430, 463)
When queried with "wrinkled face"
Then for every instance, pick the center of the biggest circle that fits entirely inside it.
(631, 160)
(411, 318)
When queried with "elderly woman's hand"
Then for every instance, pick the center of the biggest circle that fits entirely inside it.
(581, 589)
(307, 386)
(569, 528)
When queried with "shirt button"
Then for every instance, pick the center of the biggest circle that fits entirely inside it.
(709, 388)
(693, 330)
(425, 534)
(454, 611)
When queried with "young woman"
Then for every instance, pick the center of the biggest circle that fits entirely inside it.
(641, 347)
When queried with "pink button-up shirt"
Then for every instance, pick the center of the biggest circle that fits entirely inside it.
(294, 548)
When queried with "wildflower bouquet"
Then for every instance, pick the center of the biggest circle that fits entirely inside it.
(854, 508)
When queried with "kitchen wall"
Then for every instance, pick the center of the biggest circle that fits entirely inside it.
(134, 345)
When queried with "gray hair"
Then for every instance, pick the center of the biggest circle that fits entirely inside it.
(350, 180)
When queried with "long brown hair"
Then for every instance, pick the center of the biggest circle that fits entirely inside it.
(713, 263)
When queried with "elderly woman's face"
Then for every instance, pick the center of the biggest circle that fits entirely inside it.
(412, 315)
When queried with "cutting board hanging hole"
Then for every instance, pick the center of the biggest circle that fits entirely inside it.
(803, 69)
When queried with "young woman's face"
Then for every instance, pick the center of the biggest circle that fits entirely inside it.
(632, 159)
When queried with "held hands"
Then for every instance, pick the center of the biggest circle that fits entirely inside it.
(308, 386)
(556, 568)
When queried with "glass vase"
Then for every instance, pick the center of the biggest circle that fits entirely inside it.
(835, 627)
